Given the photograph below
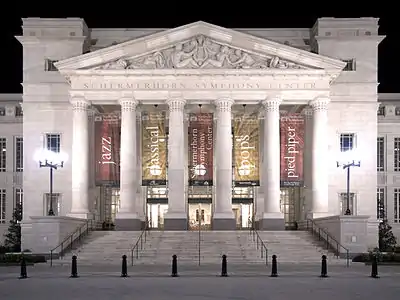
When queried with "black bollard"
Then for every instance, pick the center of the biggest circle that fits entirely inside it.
(74, 267)
(324, 267)
(374, 267)
(124, 272)
(274, 269)
(174, 266)
(23, 274)
(224, 269)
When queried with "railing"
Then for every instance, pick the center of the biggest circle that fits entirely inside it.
(260, 244)
(70, 241)
(330, 241)
(139, 243)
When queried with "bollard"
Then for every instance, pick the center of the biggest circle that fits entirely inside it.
(23, 274)
(374, 267)
(124, 272)
(324, 267)
(74, 267)
(224, 269)
(174, 266)
(274, 269)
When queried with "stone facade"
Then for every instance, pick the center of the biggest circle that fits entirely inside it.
(69, 68)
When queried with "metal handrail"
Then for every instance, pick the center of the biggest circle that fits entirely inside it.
(139, 243)
(328, 238)
(69, 241)
(261, 245)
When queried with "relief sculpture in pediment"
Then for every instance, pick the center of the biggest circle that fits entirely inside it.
(201, 53)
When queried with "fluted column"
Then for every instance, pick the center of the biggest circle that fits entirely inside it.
(176, 217)
(223, 218)
(272, 217)
(127, 217)
(80, 158)
(319, 182)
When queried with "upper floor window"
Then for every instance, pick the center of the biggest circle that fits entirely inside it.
(397, 111)
(381, 110)
(3, 206)
(396, 154)
(18, 111)
(396, 206)
(19, 200)
(351, 204)
(380, 204)
(19, 158)
(380, 145)
(350, 65)
(346, 141)
(53, 142)
(2, 111)
(49, 65)
(3, 154)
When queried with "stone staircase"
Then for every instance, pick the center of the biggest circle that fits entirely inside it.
(107, 247)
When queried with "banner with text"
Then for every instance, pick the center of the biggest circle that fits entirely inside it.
(292, 128)
(246, 145)
(200, 144)
(154, 149)
(107, 148)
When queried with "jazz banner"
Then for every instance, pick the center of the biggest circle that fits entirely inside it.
(200, 145)
(107, 148)
(246, 145)
(292, 128)
(154, 149)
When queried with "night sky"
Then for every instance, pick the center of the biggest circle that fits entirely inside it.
(11, 69)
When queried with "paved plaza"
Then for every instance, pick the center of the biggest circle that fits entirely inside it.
(244, 282)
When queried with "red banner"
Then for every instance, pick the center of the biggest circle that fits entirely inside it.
(107, 149)
(200, 145)
(292, 128)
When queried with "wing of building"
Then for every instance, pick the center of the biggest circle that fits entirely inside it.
(200, 126)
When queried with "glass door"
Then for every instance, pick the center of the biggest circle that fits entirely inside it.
(199, 216)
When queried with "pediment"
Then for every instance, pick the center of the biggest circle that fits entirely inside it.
(200, 46)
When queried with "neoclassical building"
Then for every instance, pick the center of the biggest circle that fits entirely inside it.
(200, 126)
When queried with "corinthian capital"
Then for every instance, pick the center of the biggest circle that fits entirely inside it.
(320, 103)
(79, 104)
(271, 104)
(128, 104)
(176, 104)
(224, 104)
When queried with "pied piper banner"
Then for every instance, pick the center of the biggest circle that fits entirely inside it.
(107, 148)
(154, 149)
(200, 145)
(246, 144)
(292, 128)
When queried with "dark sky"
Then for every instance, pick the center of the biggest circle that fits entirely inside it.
(11, 69)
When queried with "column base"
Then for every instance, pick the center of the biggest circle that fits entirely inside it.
(175, 221)
(272, 222)
(317, 215)
(128, 222)
(224, 221)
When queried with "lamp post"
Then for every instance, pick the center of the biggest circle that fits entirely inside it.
(53, 161)
(347, 164)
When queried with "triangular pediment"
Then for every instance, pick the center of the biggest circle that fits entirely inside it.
(200, 46)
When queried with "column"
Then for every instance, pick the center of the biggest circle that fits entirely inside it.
(273, 217)
(319, 182)
(80, 158)
(176, 217)
(307, 112)
(127, 217)
(223, 218)
(140, 199)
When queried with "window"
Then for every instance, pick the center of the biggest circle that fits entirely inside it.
(2, 111)
(19, 158)
(350, 65)
(380, 204)
(49, 65)
(380, 167)
(2, 206)
(19, 198)
(381, 110)
(53, 142)
(55, 203)
(396, 210)
(397, 111)
(396, 155)
(198, 216)
(3, 155)
(346, 141)
(18, 111)
(343, 203)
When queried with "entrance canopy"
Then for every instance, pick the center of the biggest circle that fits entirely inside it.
(200, 62)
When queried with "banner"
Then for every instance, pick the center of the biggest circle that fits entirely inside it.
(246, 145)
(154, 149)
(107, 148)
(200, 145)
(292, 128)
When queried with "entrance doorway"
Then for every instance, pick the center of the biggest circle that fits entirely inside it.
(242, 206)
(200, 216)
(157, 206)
(290, 206)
